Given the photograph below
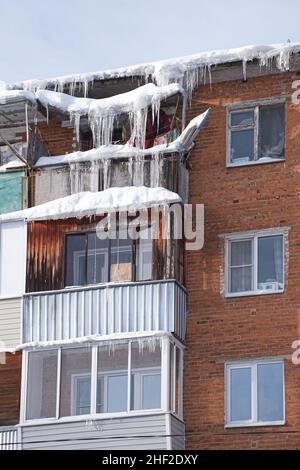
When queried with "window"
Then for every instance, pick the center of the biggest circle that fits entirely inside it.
(144, 256)
(256, 134)
(90, 260)
(75, 400)
(146, 378)
(255, 264)
(41, 384)
(255, 393)
(112, 379)
(107, 379)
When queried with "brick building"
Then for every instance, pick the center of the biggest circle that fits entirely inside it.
(230, 349)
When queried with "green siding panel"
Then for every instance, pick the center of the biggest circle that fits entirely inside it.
(11, 191)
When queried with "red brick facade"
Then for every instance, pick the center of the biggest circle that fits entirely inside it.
(219, 329)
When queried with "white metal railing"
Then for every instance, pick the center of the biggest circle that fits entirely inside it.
(103, 310)
(9, 438)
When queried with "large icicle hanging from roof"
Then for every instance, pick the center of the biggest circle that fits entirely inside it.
(103, 113)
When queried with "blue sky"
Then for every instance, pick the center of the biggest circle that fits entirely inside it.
(41, 39)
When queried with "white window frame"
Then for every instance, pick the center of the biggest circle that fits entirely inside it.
(244, 107)
(166, 344)
(254, 408)
(254, 236)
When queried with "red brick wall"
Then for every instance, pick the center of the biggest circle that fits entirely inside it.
(10, 379)
(219, 329)
(56, 140)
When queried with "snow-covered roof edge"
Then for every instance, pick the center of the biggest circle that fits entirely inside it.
(165, 71)
(127, 198)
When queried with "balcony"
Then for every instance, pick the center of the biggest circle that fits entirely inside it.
(103, 310)
(10, 438)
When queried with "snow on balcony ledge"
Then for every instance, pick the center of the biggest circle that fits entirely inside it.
(11, 96)
(92, 203)
(183, 143)
(12, 165)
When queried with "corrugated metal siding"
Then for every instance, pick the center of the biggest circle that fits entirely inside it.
(177, 432)
(9, 438)
(134, 307)
(136, 432)
(10, 322)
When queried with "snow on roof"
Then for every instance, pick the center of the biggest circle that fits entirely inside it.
(183, 143)
(15, 95)
(92, 203)
(14, 164)
(141, 97)
(101, 112)
(165, 71)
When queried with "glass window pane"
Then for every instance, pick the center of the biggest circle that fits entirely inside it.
(75, 388)
(270, 263)
(97, 262)
(112, 379)
(241, 266)
(271, 131)
(75, 260)
(117, 393)
(242, 118)
(83, 394)
(144, 256)
(240, 394)
(121, 260)
(151, 386)
(241, 279)
(146, 376)
(242, 145)
(241, 253)
(41, 384)
(270, 392)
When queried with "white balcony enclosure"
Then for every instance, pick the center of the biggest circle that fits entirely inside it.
(10, 438)
(104, 310)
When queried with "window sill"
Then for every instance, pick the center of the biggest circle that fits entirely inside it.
(253, 293)
(261, 161)
(253, 425)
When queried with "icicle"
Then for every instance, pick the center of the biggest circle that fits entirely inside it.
(105, 173)
(155, 108)
(138, 124)
(150, 343)
(245, 69)
(85, 88)
(47, 114)
(75, 121)
(155, 166)
(75, 178)
(94, 175)
(130, 169)
(102, 129)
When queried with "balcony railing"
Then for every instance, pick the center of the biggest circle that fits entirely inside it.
(10, 438)
(104, 310)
